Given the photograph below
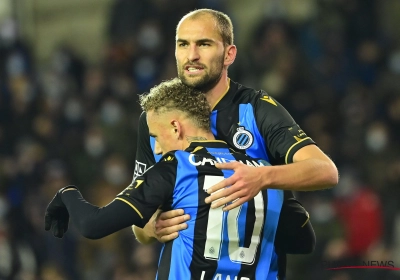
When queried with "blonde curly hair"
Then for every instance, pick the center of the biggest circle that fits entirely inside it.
(174, 95)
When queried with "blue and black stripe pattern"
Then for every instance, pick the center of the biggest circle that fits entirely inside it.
(218, 245)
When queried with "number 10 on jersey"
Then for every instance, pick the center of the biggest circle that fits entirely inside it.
(217, 224)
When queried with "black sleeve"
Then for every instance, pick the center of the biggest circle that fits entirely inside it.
(133, 206)
(282, 136)
(152, 190)
(95, 222)
(144, 153)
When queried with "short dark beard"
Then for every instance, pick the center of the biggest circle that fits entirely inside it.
(206, 83)
(195, 138)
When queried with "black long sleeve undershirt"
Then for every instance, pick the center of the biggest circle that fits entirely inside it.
(95, 222)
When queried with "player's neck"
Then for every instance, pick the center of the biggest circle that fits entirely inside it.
(198, 135)
(216, 93)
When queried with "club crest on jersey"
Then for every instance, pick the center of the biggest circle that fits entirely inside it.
(243, 138)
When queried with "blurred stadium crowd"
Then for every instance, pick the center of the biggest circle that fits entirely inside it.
(336, 69)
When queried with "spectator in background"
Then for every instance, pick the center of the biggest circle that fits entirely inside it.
(335, 102)
(359, 209)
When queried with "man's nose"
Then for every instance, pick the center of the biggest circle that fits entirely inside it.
(193, 54)
(157, 149)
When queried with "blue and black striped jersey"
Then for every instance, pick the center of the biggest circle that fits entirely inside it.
(250, 122)
(237, 244)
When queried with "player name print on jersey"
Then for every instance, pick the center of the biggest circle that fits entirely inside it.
(243, 138)
(220, 276)
(201, 161)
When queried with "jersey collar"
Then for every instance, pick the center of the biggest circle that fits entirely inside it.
(208, 144)
(226, 98)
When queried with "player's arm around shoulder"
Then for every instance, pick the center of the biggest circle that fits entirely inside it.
(311, 170)
(307, 167)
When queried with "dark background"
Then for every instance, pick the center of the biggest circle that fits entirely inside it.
(70, 76)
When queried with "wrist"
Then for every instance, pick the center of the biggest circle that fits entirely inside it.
(68, 188)
(267, 176)
(62, 191)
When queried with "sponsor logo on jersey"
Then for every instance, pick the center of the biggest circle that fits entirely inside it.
(134, 185)
(297, 133)
(169, 158)
(140, 168)
(243, 138)
(138, 183)
(196, 161)
(268, 99)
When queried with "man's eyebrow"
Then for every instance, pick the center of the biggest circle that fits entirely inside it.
(205, 40)
(152, 135)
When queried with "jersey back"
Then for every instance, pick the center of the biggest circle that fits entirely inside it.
(237, 244)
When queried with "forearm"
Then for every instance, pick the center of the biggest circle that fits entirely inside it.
(306, 175)
(96, 222)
